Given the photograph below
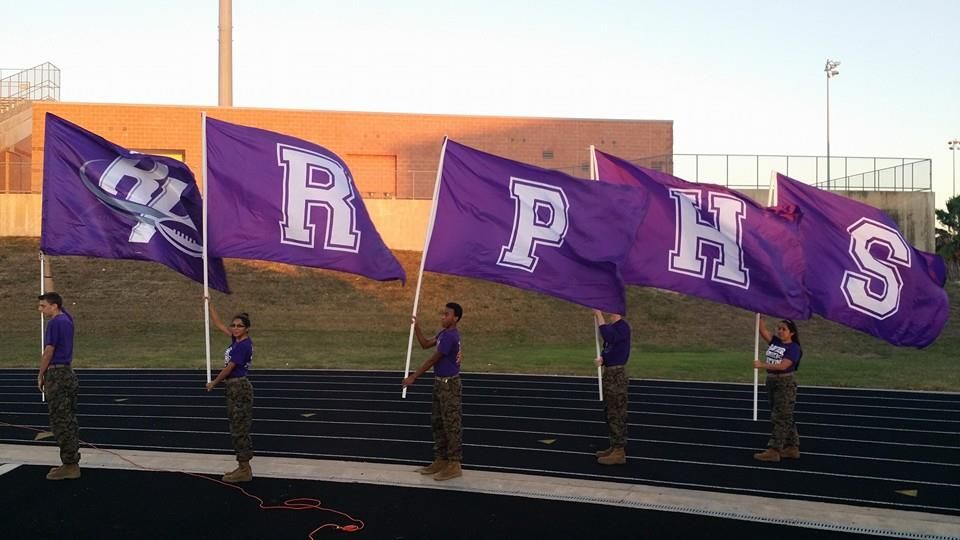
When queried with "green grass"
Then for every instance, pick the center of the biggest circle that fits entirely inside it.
(136, 314)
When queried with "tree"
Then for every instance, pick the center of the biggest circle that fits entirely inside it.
(948, 237)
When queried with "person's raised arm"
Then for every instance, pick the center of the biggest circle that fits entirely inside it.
(424, 341)
(764, 333)
(215, 319)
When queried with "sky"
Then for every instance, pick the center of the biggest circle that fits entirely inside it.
(736, 77)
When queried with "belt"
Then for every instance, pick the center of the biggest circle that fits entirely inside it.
(235, 378)
(780, 375)
(58, 366)
(620, 366)
(447, 379)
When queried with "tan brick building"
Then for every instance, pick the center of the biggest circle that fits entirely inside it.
(393, 157)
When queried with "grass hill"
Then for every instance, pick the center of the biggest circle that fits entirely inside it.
(138, 314)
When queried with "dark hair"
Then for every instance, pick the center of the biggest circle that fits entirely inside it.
(52, 298)
(244, 318)
(792, 326)
(457, 309)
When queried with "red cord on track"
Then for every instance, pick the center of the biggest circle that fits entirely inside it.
(299, 503)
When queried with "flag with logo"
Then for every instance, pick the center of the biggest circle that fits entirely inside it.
(867, 277)
(274, 197)
(508, 222)
(102, 200)
(712, 242)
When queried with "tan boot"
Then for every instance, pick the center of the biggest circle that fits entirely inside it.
(618, 456)
(452, 470)
(790, 452)
(243, 473)
(438, 465)
(602, 453)
(64, 472)
(770, 454)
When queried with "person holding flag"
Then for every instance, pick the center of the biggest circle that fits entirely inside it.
(58, 382)
(616, 384)
(447, 415)
(239, 391)
(782, 361)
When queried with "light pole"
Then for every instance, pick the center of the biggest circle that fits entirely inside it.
(831, 69)
(954, 145)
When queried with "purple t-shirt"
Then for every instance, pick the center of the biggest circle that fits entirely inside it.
(241, 354)
(59, 334)
(616, 343)
(448, 344)
(778, 350)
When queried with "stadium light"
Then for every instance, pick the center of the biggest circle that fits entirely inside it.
(831, 70)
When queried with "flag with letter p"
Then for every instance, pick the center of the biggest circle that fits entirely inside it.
(508, 222)
(274, 197)
(102, 200)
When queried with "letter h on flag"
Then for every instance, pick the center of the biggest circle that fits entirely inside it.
(712, 242)
(531, 228)
(868, 277)
(102, 200)
(279, 198)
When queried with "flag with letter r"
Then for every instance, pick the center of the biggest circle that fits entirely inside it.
(274, 197)
(102, 200)
(532, 228)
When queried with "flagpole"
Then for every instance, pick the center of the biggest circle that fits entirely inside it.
(43, 396)
(771, 200)
(206, 273)
(423, 258)
(596, 326)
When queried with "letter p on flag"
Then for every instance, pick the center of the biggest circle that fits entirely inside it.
(540, 218)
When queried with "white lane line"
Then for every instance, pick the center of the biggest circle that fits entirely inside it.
(7, 467)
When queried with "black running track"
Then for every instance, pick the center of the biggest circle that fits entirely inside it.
(109, 504)
(879, 448)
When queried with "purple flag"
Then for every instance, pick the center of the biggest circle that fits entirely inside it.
(278, 198)
(867, 276)
(712, 242)
(102, 200)
(508, 222)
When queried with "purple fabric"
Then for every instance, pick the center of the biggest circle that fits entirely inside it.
(777, 351)
(760, 267)
(102, 200)
(867, 276)
(535, 229)
(278, 198)
(59, 335)
(448, 345)
(241, 354)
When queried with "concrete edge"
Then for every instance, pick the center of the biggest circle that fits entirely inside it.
(809, 514)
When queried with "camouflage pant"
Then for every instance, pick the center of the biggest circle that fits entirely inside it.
(615, 391)
(60, 386)
(782, 393)
(447, 419)
(240, 412)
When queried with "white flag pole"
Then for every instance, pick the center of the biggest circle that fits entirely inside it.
(43, 395)
(771, 200)
(596, 338)
(756, 355)
(206, 273)
(423, 258)
(596, 326)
